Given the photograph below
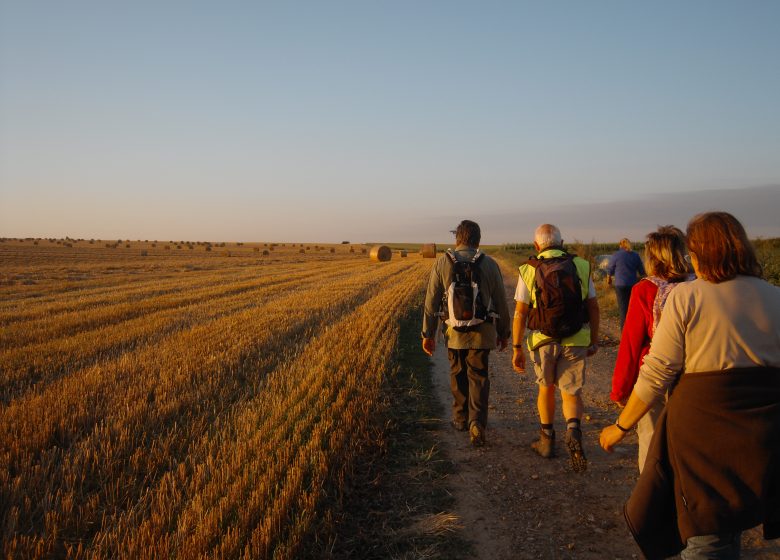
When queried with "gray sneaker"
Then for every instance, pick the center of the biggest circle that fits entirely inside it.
(576, 453)
(545, 445)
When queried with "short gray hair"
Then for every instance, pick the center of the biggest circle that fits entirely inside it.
(547, 235)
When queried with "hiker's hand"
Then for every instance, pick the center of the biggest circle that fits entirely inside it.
(518, 360)
(610, 437)
(501, 343)
(592, 349)
(429, 345)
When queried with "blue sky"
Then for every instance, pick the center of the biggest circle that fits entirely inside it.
(323, 121)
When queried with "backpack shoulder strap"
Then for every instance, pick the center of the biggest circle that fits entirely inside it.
(534, 262)
(451, 256)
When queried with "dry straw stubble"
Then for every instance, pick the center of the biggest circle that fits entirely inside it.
(155, 410)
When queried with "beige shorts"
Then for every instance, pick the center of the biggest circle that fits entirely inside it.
(563, 366)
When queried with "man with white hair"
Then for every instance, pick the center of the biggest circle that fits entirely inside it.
(556, 300)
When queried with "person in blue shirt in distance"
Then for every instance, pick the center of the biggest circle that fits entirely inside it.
(624, 270)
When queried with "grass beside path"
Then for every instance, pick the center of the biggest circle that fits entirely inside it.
(396, 501)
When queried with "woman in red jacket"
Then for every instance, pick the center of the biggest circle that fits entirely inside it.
(666, 268)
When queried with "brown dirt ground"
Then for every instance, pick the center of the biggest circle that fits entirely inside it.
(514, 504)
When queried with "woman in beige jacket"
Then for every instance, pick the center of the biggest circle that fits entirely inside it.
(726, 320)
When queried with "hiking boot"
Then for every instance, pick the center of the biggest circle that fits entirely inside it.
(459, 425)
(545, 445)
(477, 433)
(576, 453)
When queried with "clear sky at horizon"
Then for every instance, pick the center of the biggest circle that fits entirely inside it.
(324, 121)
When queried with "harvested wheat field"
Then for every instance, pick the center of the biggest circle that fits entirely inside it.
(174, 399)
(272, 401)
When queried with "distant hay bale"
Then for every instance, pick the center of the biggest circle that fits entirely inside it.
(144, 253)
(332, 250)
(381, 253)
(302, 250)
(266, 253)
(428, 251)
(256, 249)
(403, 252)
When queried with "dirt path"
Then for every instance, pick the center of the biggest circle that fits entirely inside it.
(514, 504)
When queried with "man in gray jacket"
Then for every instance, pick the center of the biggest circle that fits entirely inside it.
(468, 342)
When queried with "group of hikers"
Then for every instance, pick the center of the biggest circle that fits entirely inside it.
(697, 371)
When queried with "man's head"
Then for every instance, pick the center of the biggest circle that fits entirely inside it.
(547, 236)
(468, 234)
(625, 244)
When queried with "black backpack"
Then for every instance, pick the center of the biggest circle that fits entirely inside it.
(559, 309)
(464, 307)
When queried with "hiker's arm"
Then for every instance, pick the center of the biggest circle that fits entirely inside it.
(502, 308)
(592, 307)
(433, 298)
(432, 305)
(518, 333)
(628, 417)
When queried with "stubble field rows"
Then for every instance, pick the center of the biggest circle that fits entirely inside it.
(192, 405)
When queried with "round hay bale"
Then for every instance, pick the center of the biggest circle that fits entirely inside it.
(403, 252)
(381, 253)
(428, 251)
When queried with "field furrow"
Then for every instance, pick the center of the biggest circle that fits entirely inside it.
(122, 305)
(117, 450)
(248, 478)
(24, 368)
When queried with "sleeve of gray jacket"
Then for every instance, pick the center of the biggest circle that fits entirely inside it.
(433, 298)
(666, 359)
(498, 296)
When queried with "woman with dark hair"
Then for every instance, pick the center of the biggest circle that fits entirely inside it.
(666, 268)
(713, 467)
